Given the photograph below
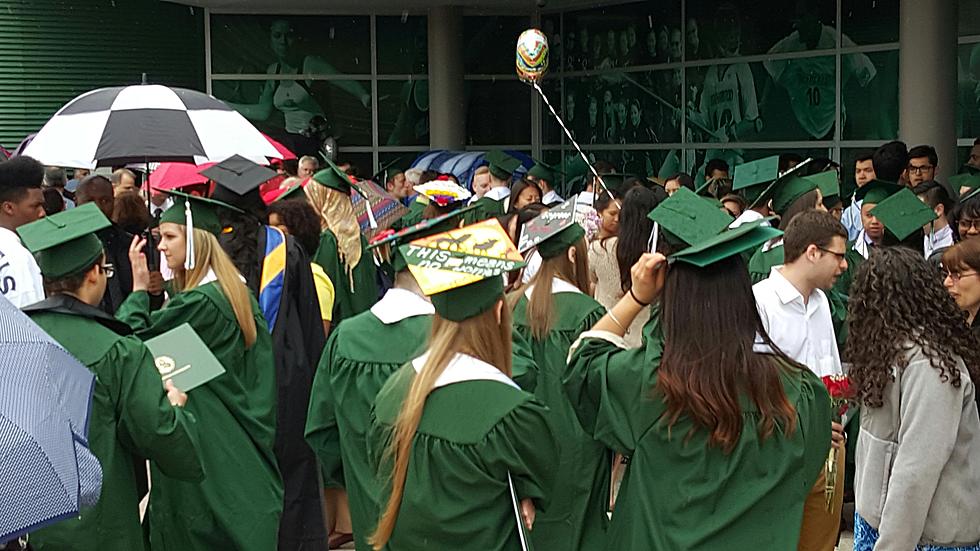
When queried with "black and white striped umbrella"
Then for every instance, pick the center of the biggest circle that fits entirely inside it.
(135, 124)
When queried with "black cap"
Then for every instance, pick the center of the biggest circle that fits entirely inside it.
(237, 182)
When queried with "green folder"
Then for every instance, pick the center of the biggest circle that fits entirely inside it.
(181, 355)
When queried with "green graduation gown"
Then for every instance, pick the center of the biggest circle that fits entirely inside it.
(131, 420)
(854, 260)
(475, 429)
(577, 518)
(348, 300)
(413, 216)
(678, 494)
(240, 501)
(486, 208)
(359, 357)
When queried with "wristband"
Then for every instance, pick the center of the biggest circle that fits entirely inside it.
(638, 301)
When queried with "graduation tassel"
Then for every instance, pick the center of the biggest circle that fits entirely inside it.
(654, 238)
(189, 260)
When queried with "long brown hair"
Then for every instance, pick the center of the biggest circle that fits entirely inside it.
(210, 255)
(897, 298)
(710, 323)
(541, 305)
(482, 337)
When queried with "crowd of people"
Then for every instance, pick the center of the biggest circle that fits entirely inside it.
(643, 365)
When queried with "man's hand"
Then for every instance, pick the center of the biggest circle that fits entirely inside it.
(837, 437)
(155, 286)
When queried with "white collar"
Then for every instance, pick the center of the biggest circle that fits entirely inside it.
(551, 197)
(787, 293)
(498, 193)
(746, 217)
(464, 367)
(399, 304)
(772, 244)
(211, 277)
(862, 244)
(558, 285)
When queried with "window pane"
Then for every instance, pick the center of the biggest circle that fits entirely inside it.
(969, 18)
(968, 95)
(489, 43)
(403, 112)
(398, 160)
(499, 112)
(870, 21)
(749, 27)
(362, 164)
(698, 158)
(320, 45)
(870, 96)
(551, 132)
(621, 36)
(402, 44)
(290, 109)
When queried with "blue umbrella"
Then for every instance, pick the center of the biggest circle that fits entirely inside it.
(47, 472)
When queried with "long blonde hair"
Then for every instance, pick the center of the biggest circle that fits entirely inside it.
(337, 215)
(541, 305)
(482, 337)
(210, 256)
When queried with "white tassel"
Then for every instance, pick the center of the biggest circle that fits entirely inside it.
(189, 260)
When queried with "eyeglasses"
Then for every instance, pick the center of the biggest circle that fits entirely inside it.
(965, 224)
(840, 256)
(920, 169)
(108, 270)
(955, 277)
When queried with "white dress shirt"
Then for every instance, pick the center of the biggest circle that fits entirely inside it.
(803, 332)
(20, 277)
(938, 239)
(851, 218)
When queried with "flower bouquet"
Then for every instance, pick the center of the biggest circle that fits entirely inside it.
(841, 393)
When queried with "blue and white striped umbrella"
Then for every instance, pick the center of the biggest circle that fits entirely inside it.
(47, 472)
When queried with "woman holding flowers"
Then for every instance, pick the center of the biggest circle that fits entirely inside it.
(914, 367)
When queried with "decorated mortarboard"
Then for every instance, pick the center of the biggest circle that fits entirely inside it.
(687, 218)
(902, 213)
(727, 243)
(238, 175)
(65, 243)
(193, 212)
(552, 231)
(544, 171)
(443, 191)
(502, 165)
(876, 191)
(460, 270)
(439, 224)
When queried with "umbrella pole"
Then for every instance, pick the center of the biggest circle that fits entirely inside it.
(152, 259)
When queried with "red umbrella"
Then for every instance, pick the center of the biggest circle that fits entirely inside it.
(176, 175)
(286, 153)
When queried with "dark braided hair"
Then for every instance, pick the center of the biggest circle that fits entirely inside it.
(242, 244)
(898, 298)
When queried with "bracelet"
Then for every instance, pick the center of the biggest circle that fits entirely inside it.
(616, 321)
(638, 301)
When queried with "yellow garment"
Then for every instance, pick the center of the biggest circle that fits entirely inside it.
(324, 291)
(337, 215)
(820, 523)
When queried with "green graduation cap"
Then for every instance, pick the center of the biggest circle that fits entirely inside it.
(729, 242)
(553, 231)
(753, 178)
(439, 224)
(502, 165)
(829, 185)
(462, 270)
(960, 181)
(333, 178)
(876, 191)
(544, 171)
(64, 244)
(902, 213)
(293, 192)
(203, 211)
(686, 218)
(970, 195)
